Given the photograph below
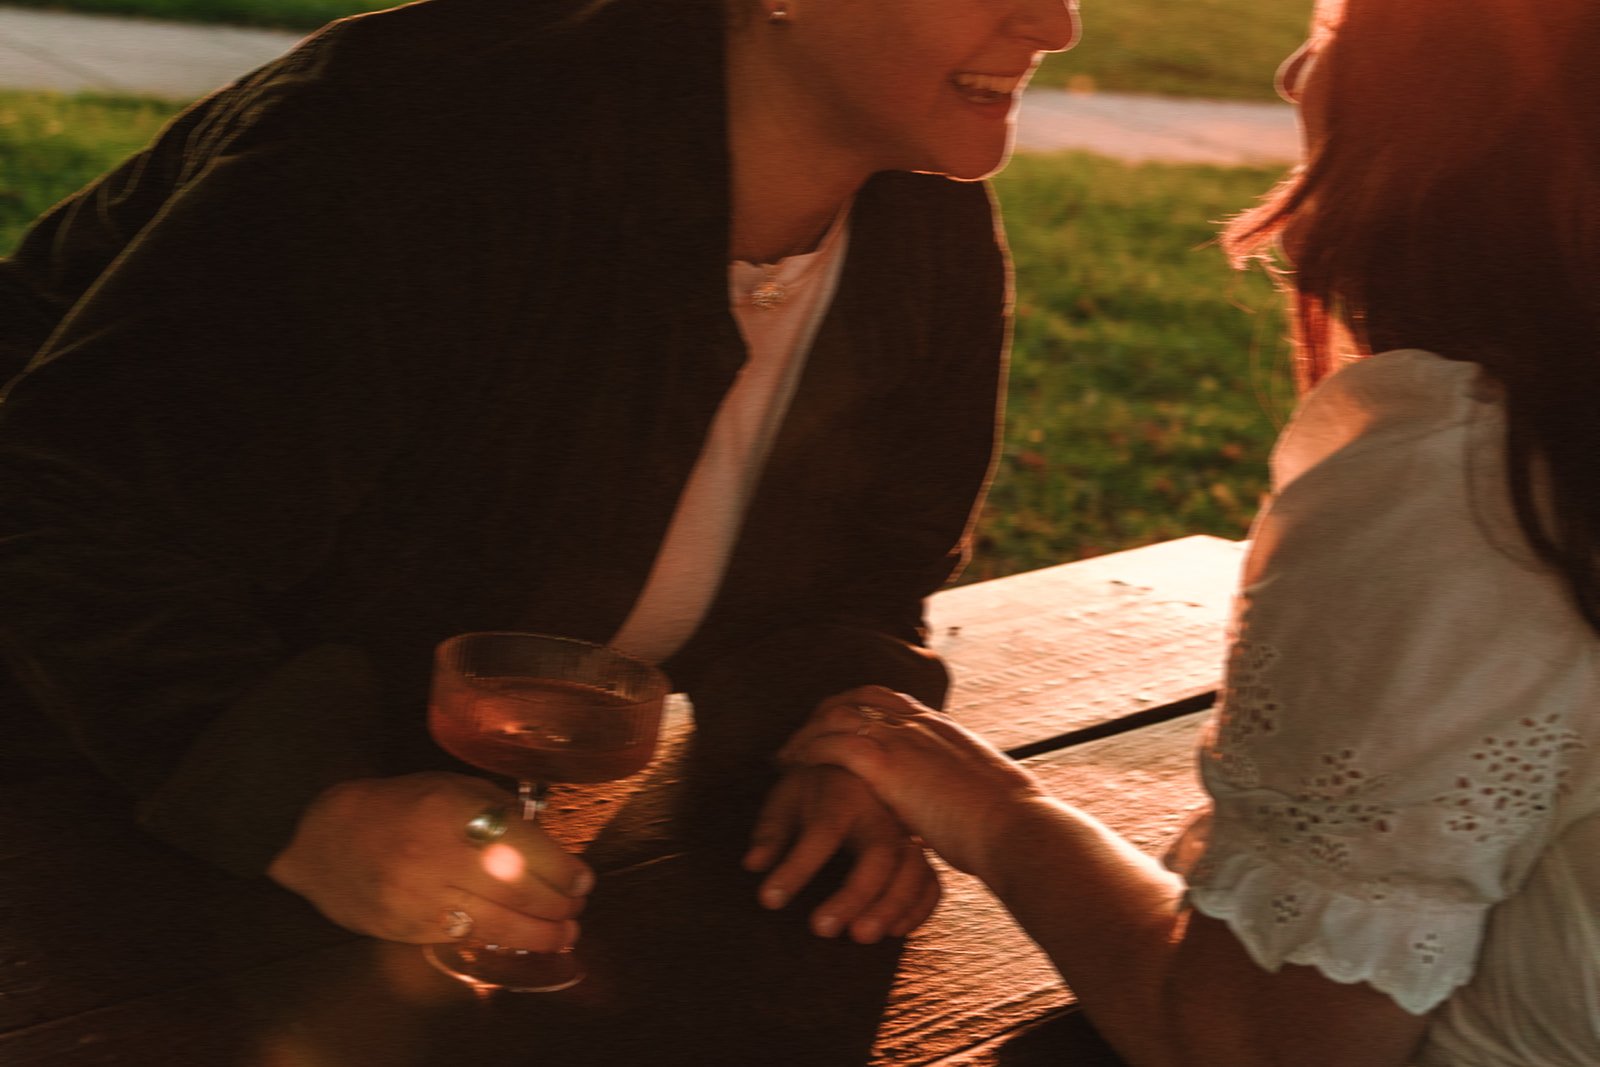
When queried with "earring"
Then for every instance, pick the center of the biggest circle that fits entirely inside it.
(778, 13)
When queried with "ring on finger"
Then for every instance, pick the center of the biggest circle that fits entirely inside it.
(457, 924)
(873, 714)
(488, 826)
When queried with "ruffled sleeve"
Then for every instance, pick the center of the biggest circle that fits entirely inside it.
(1403, 708)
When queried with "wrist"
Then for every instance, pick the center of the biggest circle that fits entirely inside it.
(1023, 828)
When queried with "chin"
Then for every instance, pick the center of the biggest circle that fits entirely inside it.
(967, 172)
(977, 163)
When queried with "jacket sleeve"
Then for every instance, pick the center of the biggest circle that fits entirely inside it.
(182, 453)
(891, 491)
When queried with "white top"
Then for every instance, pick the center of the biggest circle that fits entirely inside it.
(1405, 765)
(694, 554)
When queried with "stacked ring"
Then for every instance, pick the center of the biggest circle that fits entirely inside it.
(457, 924)
(874, 716)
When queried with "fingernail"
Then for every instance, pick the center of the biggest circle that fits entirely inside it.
(868, 931)
(583, 883)
(827, 926)
(775, 896)
(573, 930)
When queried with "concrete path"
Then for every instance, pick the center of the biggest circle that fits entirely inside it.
(71, 53)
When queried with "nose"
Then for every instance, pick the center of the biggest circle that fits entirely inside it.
(1052, 25)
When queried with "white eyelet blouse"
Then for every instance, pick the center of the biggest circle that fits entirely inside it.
(1405, 765)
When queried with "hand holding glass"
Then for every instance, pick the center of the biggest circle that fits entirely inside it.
(539, 709)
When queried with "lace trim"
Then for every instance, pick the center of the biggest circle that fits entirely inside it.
(1291, 866)
(1417, 956)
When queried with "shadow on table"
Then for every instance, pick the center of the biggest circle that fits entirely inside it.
(119, 950)
(1067, 1038)
(683, 967)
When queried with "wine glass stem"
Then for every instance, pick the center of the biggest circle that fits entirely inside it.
(532, 796)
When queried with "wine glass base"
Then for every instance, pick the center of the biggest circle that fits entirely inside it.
(513, 970)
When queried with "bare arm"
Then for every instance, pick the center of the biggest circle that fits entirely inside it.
(1165, 985)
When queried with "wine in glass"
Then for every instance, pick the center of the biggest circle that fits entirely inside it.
(540, 710)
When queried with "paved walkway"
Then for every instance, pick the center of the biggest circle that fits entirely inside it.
(69, 53)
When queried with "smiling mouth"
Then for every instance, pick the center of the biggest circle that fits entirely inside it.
(987, 88)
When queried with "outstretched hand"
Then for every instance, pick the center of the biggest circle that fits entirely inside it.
(947, 784)
(389, 857)
(812, 813)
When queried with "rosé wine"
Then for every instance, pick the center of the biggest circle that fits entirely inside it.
(542, 729)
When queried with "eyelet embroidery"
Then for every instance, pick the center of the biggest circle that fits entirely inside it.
(1516, 778)
(1250, 710)
(1316, 822)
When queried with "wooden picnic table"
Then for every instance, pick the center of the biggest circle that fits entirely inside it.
(115, 950)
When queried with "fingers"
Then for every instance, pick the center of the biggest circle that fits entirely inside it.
(860, 717)
(922, 908)
(906, 902)
(774, 828)
(817, 842)
(874, 869)
(527, 859)
(813, 814)
(873, 696)
(860, 754)
(500, 926)
(390, 857)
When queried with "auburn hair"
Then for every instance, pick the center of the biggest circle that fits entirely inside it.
(1452, 203)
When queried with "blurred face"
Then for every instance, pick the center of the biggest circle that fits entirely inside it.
(1302, 81)
(927, 85)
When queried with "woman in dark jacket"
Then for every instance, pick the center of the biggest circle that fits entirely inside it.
(630, 321)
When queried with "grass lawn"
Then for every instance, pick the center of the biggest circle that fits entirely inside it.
(1228, 49)
(1219, 48)
(1148, 378)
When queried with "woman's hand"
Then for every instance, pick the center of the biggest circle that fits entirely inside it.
(810, 814)
(813, 812)
(390, 857)
(950, 786)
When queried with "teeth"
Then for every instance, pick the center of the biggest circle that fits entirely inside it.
(989, 83)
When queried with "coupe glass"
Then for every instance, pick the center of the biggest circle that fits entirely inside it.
(540, 710)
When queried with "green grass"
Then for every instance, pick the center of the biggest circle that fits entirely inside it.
(1226, 49)
(276, 14)
(1219, 48)
(52, 145)
(1148, 379)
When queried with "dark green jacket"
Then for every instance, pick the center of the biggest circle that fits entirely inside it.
(419, 330)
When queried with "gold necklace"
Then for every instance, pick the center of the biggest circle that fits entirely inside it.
(770, 293)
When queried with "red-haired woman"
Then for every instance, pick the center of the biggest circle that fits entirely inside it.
(1401, 864)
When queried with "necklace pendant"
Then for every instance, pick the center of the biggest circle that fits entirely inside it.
(768, 295)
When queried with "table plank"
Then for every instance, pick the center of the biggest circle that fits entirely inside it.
(1040, 655)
